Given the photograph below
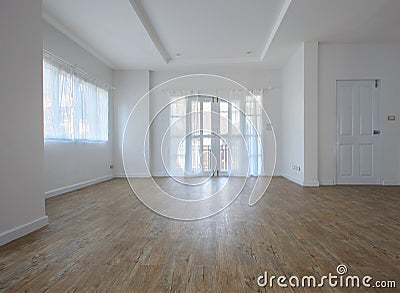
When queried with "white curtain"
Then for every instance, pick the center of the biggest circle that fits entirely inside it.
(74, 108)
(246, 117)
(184, 121)
(243, 134)
(253, 132)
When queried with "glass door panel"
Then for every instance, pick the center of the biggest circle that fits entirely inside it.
(224, 110)
(208, 142)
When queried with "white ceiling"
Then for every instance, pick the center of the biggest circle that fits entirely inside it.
(334, 21)
(148, 34)
(212, 29)
(110, 28)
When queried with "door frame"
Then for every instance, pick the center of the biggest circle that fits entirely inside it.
(336, 145)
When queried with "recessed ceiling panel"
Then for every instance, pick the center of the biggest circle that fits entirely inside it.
(212, 29)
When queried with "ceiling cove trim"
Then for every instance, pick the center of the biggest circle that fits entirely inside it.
(215, 61)
(58, 26)
(277, 24)
(145, 20)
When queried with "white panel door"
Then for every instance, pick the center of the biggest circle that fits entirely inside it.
(358, 132)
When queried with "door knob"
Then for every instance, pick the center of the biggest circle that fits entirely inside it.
(377, 132)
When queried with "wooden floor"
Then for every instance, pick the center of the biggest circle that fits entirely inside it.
(102, 238)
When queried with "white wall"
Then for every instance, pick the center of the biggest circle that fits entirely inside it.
(70, 165)
(361, 61)
(300, 116)
(251, 79)
(293, 117)
(130, 87)
(21, 140)
(311, 114)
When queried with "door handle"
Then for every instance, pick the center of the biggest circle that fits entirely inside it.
(376, 132)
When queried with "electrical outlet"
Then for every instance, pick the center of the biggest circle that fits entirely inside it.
(296, 168)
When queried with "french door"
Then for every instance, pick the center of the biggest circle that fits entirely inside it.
(212, 137)
(207, 152)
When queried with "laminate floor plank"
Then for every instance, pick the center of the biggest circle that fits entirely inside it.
(102, 238)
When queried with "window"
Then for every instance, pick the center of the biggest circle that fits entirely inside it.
(74, 108)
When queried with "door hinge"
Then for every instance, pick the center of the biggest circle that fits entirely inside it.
(376, 83)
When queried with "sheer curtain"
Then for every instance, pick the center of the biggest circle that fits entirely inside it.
(243, 134)
(246, 120)
(73, 107)
(183, 158)
(253, 133)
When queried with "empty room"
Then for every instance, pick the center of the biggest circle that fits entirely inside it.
(199, 146)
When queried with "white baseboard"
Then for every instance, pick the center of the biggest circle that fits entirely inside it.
(313, 183)
(302, 183)
(385, 182)
(23, 230)
(291, 178)
(76, 186)
(132, 175)
(390, 183)
(326, 182)
(119, 175)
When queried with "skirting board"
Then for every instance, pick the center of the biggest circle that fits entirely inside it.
(302, 183)
(390, 183)
(76, 186)
(310, 183)
(326, 182)
(23, 230)
(385, 183)
(132, 175)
